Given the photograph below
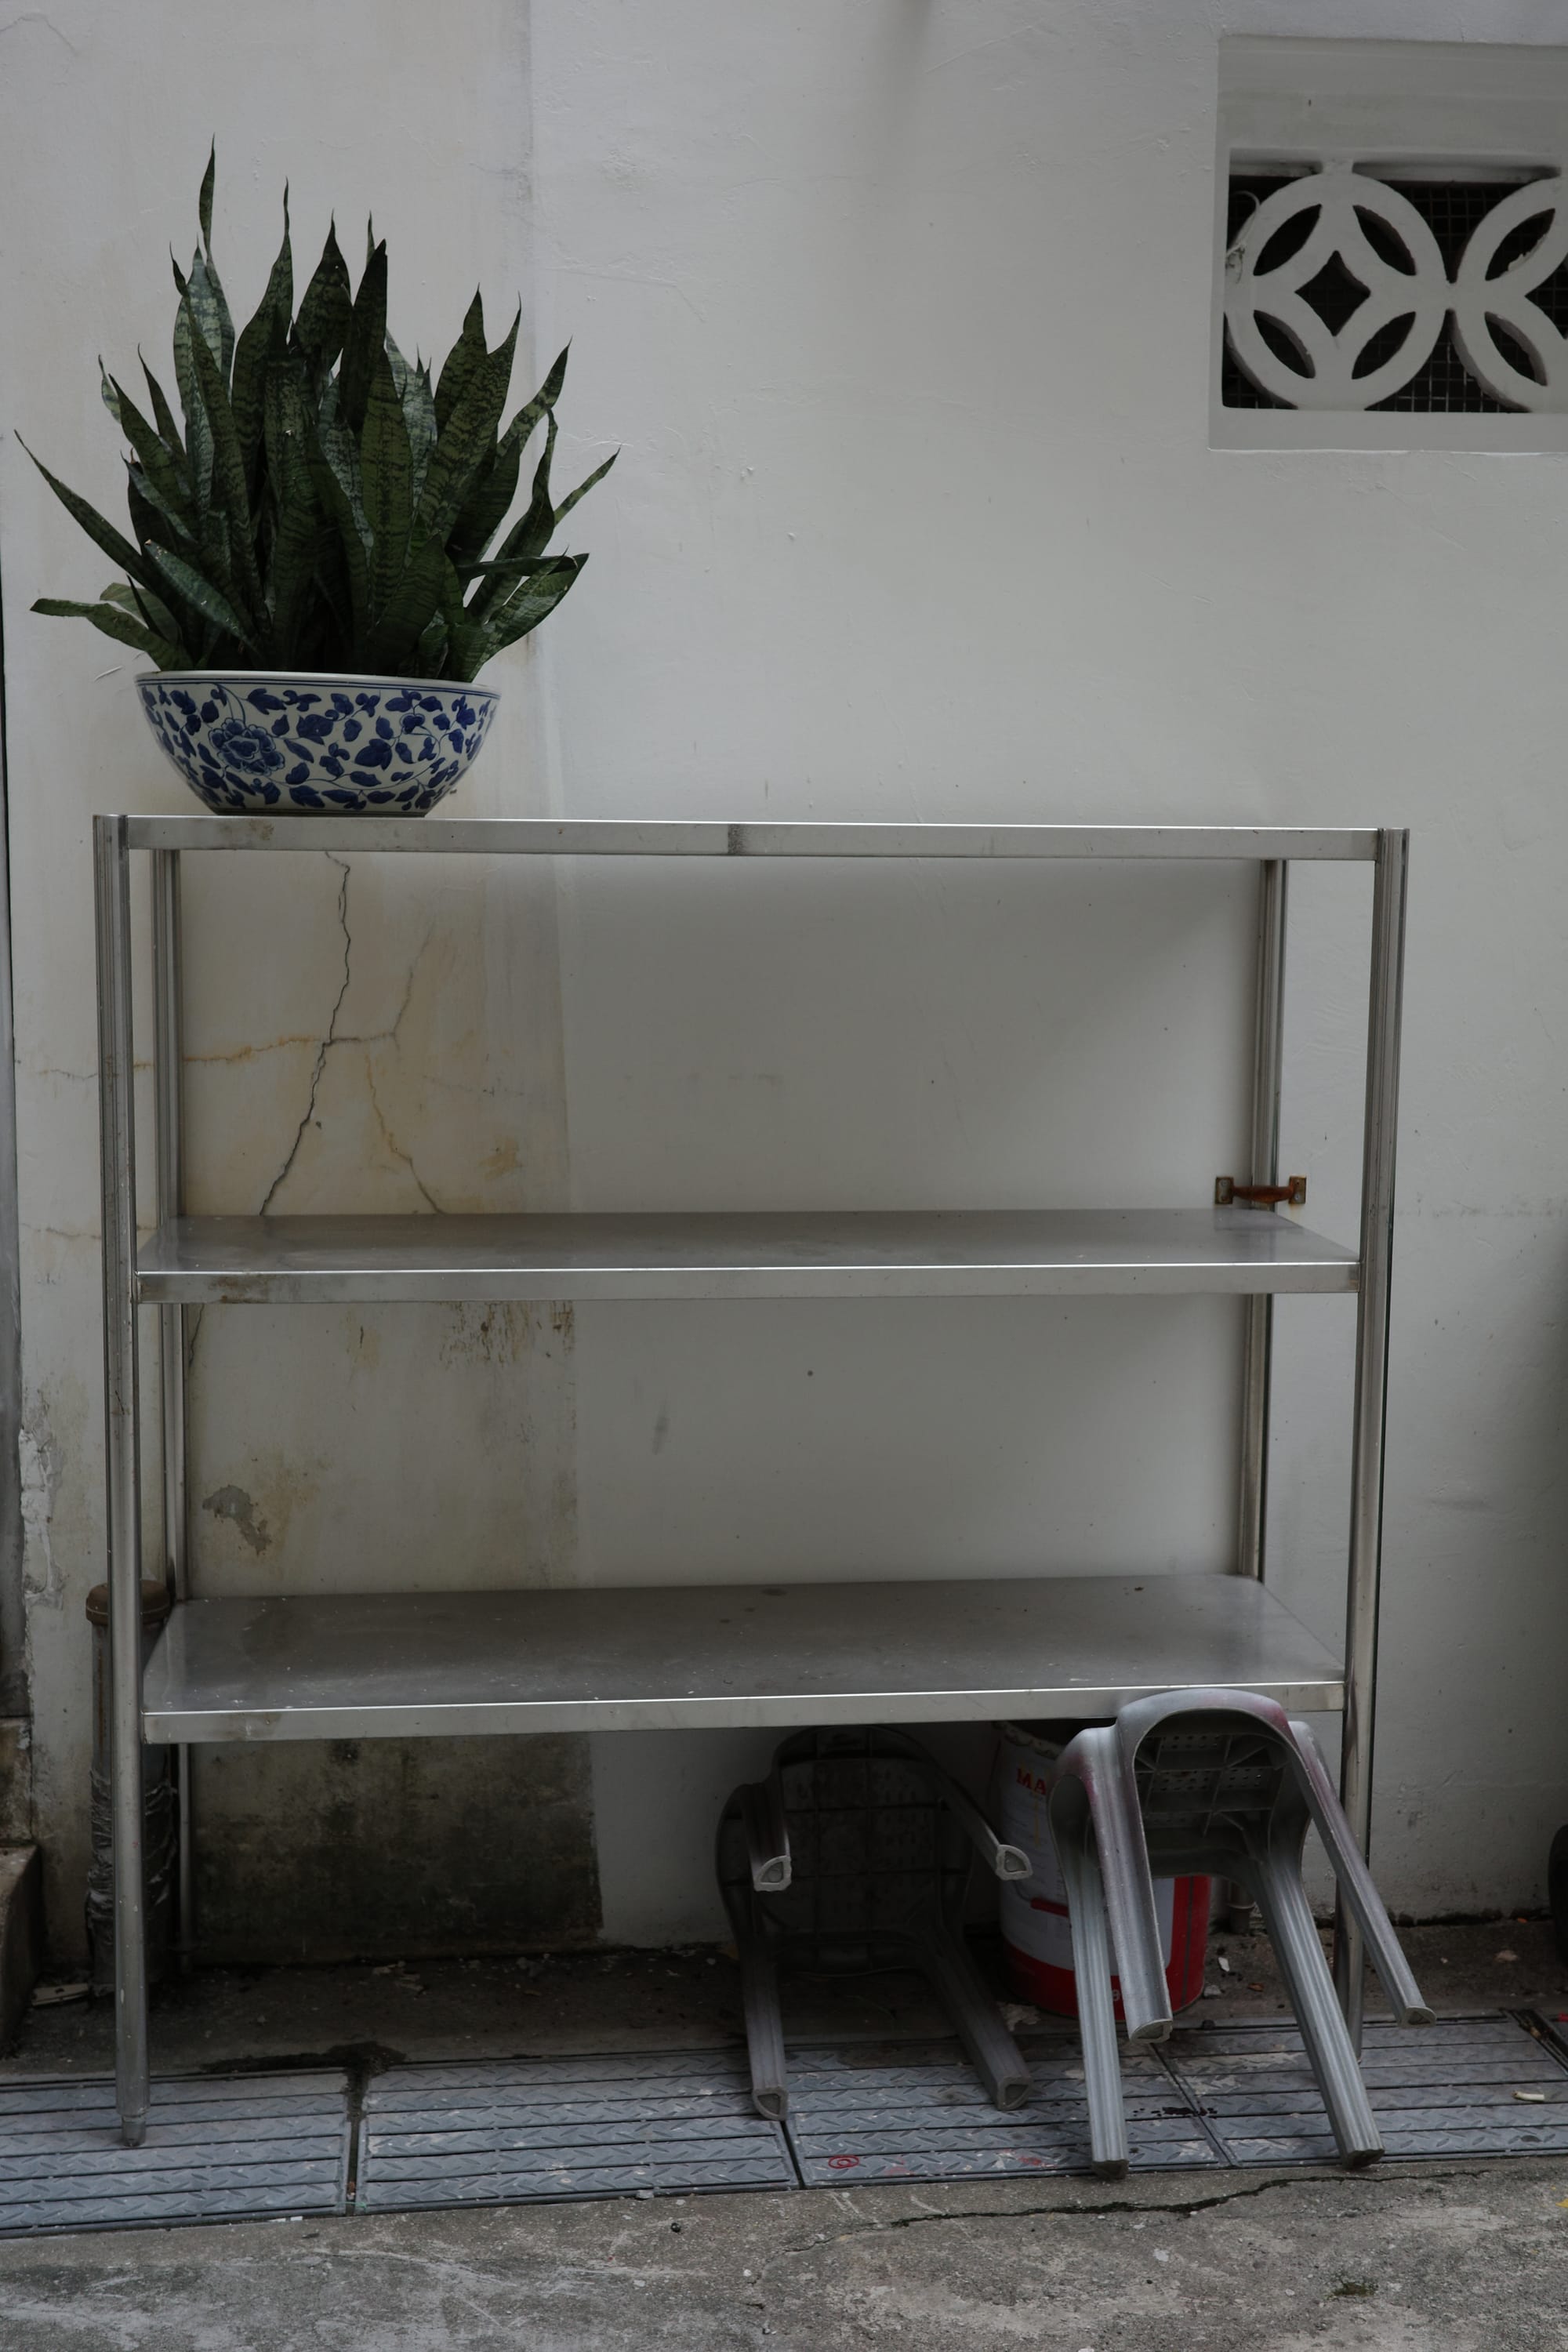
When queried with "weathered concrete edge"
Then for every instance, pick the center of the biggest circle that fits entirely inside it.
(21, 1932)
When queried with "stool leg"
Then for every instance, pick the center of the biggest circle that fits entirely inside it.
(1293, 1932)
(1122, 1864)
(759, 1969)
(765, 2025)
(1096, 2006)
(1365, 1902)
(993, 2053)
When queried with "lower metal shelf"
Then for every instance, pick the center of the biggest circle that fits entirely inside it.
(418, 1664)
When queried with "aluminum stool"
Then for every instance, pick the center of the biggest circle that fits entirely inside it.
(1224, 1782)
(855, 1854)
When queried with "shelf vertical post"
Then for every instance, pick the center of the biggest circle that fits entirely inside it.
(1257, 1340)
(168, 1072)
(116, 1153)
(1379, 1143)
(1267, 1060)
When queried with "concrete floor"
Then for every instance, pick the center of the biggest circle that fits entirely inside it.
(1427, 2259)
(1449, 2256)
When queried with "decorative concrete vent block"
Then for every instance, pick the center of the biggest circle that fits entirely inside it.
(1391, 246)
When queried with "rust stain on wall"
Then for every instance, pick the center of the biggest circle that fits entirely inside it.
(232, 1503)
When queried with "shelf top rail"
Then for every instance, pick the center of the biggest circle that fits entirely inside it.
(703, 837)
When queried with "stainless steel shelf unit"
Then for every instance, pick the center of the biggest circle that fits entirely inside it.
(423, 1663)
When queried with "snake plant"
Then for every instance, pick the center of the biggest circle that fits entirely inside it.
(323, 505)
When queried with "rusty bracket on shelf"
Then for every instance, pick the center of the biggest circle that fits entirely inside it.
(1292, 1193)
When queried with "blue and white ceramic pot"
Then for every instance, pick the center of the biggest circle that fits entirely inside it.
(257, 741)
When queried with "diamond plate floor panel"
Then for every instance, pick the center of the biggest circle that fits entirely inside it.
(218, 2149)
(1447, 2089)
(904, 2112)
(514, 2131)
(237, 2148)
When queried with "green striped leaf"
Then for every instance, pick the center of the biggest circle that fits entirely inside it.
(163, 415)
(350, 534)
(531, 534)
(268, 326)
(387, 463)
(165, 476)
(119, 625)
(340, 450)
(465, 646)
(430, 653)
(467, 441)
(324, 313)
(148, 520)
(150, 607)
(409, 609)
(418, 409)
(102, 534)
(229, 483)
(202, 597)
(302, 540)
(152, 517)
(465, 356)
(584, 487)
(485, 508)
(488, 502)
(533, 603)
(205, 200)
(366, 342)
(210, 311)
(198, 432)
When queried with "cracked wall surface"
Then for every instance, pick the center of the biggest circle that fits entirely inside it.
(344, 1448)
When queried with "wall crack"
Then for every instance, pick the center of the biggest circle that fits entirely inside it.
(327, 1041)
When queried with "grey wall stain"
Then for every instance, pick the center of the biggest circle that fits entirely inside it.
(234, 1503)
(392, 1849)
(15, 1782)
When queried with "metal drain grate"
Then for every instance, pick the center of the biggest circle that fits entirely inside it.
(237, 2148)
(240, 2147)
(903, 2112)
(528, 2128)
(1437, 2090)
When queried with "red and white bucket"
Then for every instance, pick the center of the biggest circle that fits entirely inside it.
(1036, 1940)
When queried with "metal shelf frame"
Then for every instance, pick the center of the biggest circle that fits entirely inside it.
(403, 1665)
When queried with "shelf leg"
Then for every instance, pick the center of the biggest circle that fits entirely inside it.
(117, 1149)
(168, 1075)
(1268, 1054)
(1379, 1143)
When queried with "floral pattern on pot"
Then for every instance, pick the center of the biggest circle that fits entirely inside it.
(301, 746)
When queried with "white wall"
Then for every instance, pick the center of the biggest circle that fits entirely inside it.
(902, 315)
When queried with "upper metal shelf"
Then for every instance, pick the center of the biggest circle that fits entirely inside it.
(701, 837)
(776, 1254)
